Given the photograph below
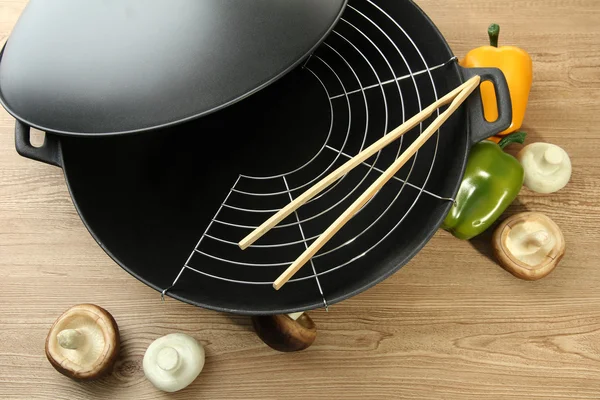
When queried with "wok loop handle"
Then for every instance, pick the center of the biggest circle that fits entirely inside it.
(50, 152)
(480, 129)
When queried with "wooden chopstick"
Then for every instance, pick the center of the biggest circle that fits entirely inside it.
(460, 95)
(352, 163)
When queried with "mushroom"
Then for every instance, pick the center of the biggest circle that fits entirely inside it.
(83, 343)
(528, 245)
(173, 361)
(286, 332)
(547, 167)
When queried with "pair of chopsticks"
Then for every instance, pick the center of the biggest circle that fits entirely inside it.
(455, 98)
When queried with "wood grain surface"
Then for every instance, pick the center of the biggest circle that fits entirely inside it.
(450, 325)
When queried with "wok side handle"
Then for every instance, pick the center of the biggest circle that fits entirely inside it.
(50, 152)
(480, 129)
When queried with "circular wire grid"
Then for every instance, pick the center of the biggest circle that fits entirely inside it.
(373, 77)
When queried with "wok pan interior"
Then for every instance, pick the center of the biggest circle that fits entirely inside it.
(148, 198)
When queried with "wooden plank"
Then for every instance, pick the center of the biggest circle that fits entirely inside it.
(451, 324)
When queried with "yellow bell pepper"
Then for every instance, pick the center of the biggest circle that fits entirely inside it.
(517, 67)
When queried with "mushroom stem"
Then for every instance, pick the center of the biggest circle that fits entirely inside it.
(295, 316)
(70, 339)
(536, 240)
(168, 359)
(553, 156)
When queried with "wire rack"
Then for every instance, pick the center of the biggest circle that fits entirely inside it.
(373, 77)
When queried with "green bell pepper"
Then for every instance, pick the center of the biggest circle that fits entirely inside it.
(491, 182)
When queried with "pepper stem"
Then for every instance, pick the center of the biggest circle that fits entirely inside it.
(517, 137)
(494, 32)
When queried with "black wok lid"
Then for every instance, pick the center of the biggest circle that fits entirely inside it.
(100, 67)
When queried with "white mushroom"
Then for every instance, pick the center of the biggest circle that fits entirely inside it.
(547, 167)
(173, 361)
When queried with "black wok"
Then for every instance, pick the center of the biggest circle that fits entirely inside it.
(169, 205)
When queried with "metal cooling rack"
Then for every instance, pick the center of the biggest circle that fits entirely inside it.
(382, 83)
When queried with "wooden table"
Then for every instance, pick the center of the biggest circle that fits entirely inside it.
(450, 325)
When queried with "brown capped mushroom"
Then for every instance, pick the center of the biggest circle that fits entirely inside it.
(286, 332)
(528, 245)
(83, 343)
